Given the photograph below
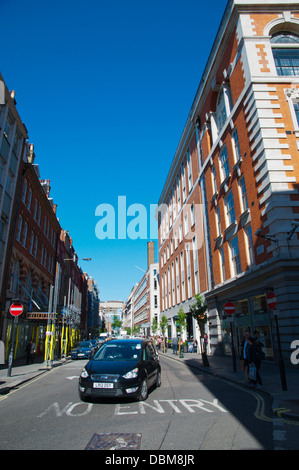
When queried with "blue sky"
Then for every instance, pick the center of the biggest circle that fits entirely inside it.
(104, 88)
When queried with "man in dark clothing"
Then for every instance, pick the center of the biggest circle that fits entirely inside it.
(30, 351)
(254, 358)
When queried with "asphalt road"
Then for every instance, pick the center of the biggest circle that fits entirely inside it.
(190, 411)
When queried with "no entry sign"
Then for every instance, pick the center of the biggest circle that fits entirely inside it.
(271, 300)
(16, 309)
(229, 308)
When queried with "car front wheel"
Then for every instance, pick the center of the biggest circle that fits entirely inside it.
(158, 381)
(143, 391)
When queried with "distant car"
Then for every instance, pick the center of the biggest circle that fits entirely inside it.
(121, 368)
(95, 344)
(100, 341)
(84, 350)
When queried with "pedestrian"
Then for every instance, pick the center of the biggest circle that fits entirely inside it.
(244, 353)
(159, 341)
(254, 359)
(205, 350)
(174, 345)
(30, 351)
(260, 345)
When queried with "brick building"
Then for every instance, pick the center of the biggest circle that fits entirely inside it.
(33, 258)
(229, 209)
(13, 149)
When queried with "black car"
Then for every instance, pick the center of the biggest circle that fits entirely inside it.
(121, 368)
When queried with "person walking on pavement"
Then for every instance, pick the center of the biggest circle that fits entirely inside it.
(244, 352)
(205, 350)
(30, 351)
(254, 359)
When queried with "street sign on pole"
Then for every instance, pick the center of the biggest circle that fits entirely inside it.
(271, 300)
(229, 308)
(16, 309)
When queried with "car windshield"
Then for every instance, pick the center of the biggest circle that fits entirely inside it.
(129, 351)
(84, 344)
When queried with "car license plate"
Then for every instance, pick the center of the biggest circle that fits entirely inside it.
(102, 385)
(81, 354)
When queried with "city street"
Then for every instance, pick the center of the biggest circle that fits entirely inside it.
(190, 411)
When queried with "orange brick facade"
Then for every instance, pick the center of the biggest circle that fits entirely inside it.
(237, 165)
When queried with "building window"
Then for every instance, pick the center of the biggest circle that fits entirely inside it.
(183, 183)
(189, 169)
(236, 146)
(221, 113)
(292, 95)
(230, 209)
(224, 165)
(235, 255)
(250, 248)
(296, 109)
(218, 220)
(214, 183)
(285, 53)
(222, 265)
(243, 193)
(24, 237)
(19, 228)
(177, 280)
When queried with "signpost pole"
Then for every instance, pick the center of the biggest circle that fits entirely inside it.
(280, 359)
(15, 310)
(233, 348)
(272, 303)
(230, 309)
(11, 354)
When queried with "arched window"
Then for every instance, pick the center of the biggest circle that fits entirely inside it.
(285, 47)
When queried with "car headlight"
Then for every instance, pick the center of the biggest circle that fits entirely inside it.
(84, 373)
(132, 374)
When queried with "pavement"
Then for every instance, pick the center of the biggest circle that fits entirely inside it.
(21, 372)
(285, 403)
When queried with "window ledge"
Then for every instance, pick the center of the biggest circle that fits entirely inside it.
(224, 183)
(231, 230)
(237, 166)
(245, 217)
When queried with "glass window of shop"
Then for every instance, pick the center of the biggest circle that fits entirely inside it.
(261, 324)
(250, 315)
(241, 323)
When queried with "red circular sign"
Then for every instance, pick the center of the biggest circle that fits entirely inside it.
(229, 308)
(271, 300)
(16, 309)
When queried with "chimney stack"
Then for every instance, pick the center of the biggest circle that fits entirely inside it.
(150, 253)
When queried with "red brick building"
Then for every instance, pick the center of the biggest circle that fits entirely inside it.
(33, 260)
(228, 225)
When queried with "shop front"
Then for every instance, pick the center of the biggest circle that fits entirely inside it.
(251, 315)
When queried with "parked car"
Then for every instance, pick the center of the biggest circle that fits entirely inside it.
(121, 368)
(83, 350)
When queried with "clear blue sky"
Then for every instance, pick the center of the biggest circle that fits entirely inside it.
(104, 88)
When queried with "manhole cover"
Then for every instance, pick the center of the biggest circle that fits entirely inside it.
(114, 441)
